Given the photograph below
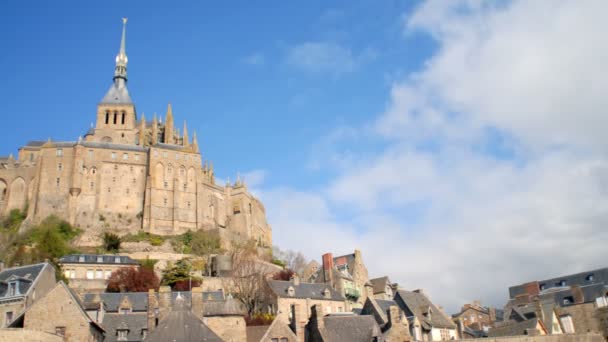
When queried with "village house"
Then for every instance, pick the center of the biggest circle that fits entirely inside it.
(427, 322)
(22, 286)
(277, 331)
(392, 321)
(59, 313)
(341, 327)
(348, 275)
(90, 272)
(133, 316)
(475, 320)
(383, 288)
(283, 295)
(566, 304)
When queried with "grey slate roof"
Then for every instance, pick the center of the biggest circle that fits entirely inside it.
(139, 300)
(600, 276)
(94, 259)
(379, 284)
(386, 304)
(25, 275)
(303, 290)
(35, 143)
(181, 325)
(228, 307)
(416, 304)
(118, 93)
(513, 328)
(111, 146)
(351, 328)
(134, 323)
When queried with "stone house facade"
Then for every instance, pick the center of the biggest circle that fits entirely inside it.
(427, 321)
(60, 313)
(127, 174)
(22, 286)
(289, 299)
(90, 272)
(348, 275)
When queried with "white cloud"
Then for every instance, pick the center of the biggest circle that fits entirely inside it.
(330, 57)
(457, 219)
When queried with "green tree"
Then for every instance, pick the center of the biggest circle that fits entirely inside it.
(204, 243)
(177, 272)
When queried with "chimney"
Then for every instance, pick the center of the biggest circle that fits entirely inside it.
(295, 279)
(197, 302)
(532, 288)
(296, 324)
(152, 308)
(164, 301)
(328, 266)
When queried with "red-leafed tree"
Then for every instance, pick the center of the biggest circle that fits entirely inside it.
(186, 285)
(130, 279)
(283, 275)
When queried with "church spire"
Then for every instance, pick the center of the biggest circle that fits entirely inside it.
(121, 59)
(185, 141)
(195, 143)
(169, 126)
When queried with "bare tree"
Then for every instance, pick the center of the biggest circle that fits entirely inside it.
(293, 260)
(249, 275)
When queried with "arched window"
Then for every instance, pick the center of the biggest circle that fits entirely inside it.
(123, 118)
(115, 116)
(107, 117)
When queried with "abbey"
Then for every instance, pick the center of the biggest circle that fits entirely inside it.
(126, 175)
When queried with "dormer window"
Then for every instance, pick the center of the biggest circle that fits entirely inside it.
(568, 300)
(99, 259)
(291, 291)
(542, 287)
(589, 277)
(81, 258)
(121, 334)
(326, 293)
(561, 283)
(117, 260)
(12, 289)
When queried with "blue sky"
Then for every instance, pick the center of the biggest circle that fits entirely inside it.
(225, 69)
(442, 138)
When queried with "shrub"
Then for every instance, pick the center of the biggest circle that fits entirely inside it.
(283, 275)
(259, 319)
(156, 240)
(111, 242)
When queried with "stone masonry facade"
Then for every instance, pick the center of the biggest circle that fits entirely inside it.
(126, 175)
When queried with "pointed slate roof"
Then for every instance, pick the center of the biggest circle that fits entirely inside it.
(181, 325)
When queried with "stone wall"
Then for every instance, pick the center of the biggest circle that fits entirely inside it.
(228, 328)
(27, 335)
(546, 338)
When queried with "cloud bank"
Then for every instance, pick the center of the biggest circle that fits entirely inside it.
(493, 166)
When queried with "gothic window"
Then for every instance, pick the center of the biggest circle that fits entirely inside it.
(115, 117)
(107, 117)
(59, 152)
(123, 118)
(170, 169)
